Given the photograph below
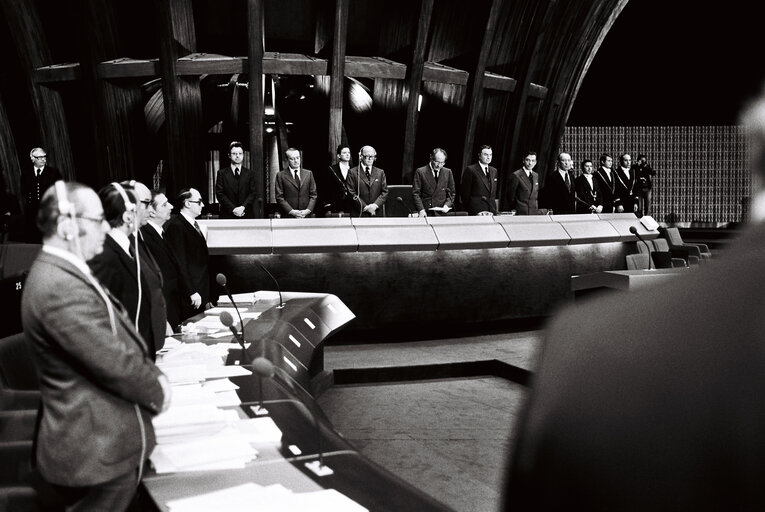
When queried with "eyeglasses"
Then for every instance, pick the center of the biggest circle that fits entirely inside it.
(39, 156)
(147, 202)
(198, 201)
(97, 220)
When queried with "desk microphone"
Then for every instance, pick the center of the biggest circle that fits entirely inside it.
(634, 231)
(281, 301)
(221, 280)
(227, 320)
(401, 200)
(266, 369)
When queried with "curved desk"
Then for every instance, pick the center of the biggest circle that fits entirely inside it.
(309, 319)
(434, 270)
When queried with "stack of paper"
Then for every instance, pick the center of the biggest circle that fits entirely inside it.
(272, 498)
(227, 449)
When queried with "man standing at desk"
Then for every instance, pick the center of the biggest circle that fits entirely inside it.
(189, 245)
(34, 182)
(433, 188)
(559, 194)
(523, 190)
(367, 184)
(235, 186)
(99, 387)
(478, 189)
(295, 188)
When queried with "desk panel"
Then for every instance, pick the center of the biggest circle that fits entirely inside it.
(313, 235)
(395, 234)
(530, 234)
(237, 236)
(480, 232)
(590, 231)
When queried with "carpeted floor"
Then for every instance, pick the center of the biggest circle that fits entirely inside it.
(449, 437)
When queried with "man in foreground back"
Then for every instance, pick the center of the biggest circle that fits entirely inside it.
(652, 400)
(99, 386)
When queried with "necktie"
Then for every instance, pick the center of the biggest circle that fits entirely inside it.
(297, 177)
(435, 175)
(368, 173)
(131, 246)
(38, 172)
(568, 182)
(486, 171)
(236, 172)
(199, 230)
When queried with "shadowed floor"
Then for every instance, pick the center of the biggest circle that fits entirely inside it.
(448, 436)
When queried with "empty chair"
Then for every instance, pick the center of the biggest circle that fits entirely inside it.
(17, 367)
(660, 254)
(17, 425)
(682, 249)
(16, 466)
(17, 400)
(637, 261)
(662, 245)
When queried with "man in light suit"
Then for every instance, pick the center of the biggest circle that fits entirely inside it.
(186, 240)
(235, 186)
(98, 384)
(34, 181)
(433, 186)
(523, 188)
(295, 188)
(367, 184)
(478, 188)
(660, 409)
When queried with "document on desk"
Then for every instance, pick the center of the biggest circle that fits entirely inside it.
(227, 449)
(239, 298)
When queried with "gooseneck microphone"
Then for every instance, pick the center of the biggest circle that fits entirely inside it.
(266, 369)
(634, 231)
(401, 200)
(281, 301)
(221, 280)
(227, 320)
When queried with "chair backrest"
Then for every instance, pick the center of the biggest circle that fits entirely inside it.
(660, 244)
(673, 236)
(17, 366)
(637, 261)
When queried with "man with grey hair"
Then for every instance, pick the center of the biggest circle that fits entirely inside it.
(433, 187)
(652, 400)
(34, 181)
(366, 184)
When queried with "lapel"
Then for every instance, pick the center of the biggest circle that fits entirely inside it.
(123, 257)
(292, 178)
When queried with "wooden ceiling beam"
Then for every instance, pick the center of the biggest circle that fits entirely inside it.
(65, 72)
(128, 68)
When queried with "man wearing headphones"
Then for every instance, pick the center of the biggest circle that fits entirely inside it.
(98, 384)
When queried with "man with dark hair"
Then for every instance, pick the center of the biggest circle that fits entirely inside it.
(478, 187)
(645, 174)
(295, 188)
(523, 188)
(99, 386)
(626, 186)
(335, 195)
(433, 186)
(235, 186)
(651, 400)
(588, 196)
(186, 239)
(607, 184)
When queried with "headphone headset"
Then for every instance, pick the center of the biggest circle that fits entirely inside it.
(65, 209)
(129, 206)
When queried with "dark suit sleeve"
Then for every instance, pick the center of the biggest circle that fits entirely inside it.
(312, 193)
(220, 192)
(380, 201)
(176, 241)
(452, 190)
(251, 189)
(279, 194)
(416, 187)
(466, 187)
(512, 192)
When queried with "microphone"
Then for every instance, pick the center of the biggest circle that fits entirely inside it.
(401, 200)
(281, 301)
(266, 369)
(227, 320)
(634, 231)
(221, 280)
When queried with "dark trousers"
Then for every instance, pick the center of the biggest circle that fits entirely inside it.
(114, 495)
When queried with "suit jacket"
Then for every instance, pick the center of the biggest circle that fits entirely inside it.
(29, 188)
(290, 197)
(522, 194)
(117, 271)
(627, 189)
(367, 191)
(99, 387)
(334, 190)
(587, 195)
(190, 249)
(607, 190)
(649, 400)
(475, 185)
(558, 197)
(172, 284)
(427, 193)
(232, 192)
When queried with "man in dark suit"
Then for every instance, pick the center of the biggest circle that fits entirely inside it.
(607, 184)
(117, 269)
(588, 196)
(186, 240)
(153, 234)
(334, 194)
(367, 184)
(651, 400)
(98, 384)
(523, 188)
(295, 188)
(235, 186)
(478, 187)
(627, 186)
(35, 180)
(433, 186)
(559, 194)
